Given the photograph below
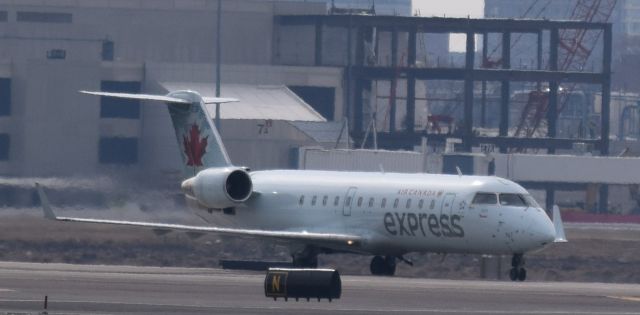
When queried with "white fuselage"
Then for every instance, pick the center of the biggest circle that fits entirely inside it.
(397, 213)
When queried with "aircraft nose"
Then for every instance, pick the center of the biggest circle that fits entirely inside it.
(545, 231)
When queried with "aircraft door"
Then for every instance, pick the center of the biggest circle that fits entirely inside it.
(349, 201)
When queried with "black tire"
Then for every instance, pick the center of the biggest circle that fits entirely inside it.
(378, 266)
(390, 262)
(513, 274)
(522, 274)
(306, 262)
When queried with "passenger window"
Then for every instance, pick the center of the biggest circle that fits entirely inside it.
(485, 199)
(336, 202)
(512, 200)
(301, 202)
(313, 200)
(324, 200)
(371, 202)
(408, 203)
(383, 203)
(360, 202)
(420, 203)
(433, 204)
(395, 203)
(347, 201)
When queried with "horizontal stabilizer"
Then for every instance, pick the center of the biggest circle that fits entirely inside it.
(218, 100)
(144, 97)
(160, 98)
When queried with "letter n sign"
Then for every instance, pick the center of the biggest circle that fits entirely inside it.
(276, 284)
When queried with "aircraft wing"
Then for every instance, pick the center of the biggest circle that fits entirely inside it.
(342, 240)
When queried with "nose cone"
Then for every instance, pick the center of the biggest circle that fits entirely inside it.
(545, 232)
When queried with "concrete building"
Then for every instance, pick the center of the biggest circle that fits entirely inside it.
(382, 7)
(50, 50)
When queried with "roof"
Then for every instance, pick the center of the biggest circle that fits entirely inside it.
(322, 132)
(274, 102)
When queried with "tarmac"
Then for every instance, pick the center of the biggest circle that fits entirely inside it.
(93, 289)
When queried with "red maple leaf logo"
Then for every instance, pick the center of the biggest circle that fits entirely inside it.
(194, 147)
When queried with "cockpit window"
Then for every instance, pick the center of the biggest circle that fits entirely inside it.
(512, 200)
(485, 199)
(531, 202)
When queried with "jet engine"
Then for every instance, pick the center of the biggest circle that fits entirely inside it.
(219, 188)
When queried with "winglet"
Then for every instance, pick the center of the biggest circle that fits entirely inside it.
(44, 201)
(558, 225)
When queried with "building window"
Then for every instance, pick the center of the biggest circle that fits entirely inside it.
(44, 17)
(108, 50)
(111, 107)
(5, 97)
(3, 16)
(5, 141)
(118, 150)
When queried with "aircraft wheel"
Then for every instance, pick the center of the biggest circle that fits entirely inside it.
(383, 266)
(308, 258)
(378, 266)
(390, 262)
(522, 274)
(513, 274)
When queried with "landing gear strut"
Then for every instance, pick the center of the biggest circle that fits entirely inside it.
(517, 272)
(307, 258)
(383, 266)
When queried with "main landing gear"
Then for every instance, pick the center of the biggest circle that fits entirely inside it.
(383, 266)
(306, 258)
(517, 272)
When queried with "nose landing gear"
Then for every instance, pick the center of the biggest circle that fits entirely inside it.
(517, 272)
(383, 266)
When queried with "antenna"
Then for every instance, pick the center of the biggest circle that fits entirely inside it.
(459, 171)
(218, 62)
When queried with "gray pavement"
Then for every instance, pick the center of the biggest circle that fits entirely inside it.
(82, 289)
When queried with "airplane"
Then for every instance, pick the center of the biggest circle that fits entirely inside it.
(385, 215)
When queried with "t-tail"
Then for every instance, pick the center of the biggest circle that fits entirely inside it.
(198, 139)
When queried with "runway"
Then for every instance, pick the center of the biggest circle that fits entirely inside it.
(83, 289)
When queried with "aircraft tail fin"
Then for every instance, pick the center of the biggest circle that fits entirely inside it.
(199, 141)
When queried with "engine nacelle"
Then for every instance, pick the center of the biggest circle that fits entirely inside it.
(219, 188)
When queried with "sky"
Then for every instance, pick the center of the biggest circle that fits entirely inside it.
(451, 8)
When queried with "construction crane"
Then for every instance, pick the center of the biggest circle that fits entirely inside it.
(575, 48)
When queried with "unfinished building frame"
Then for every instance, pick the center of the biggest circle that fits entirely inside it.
(359, 73)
